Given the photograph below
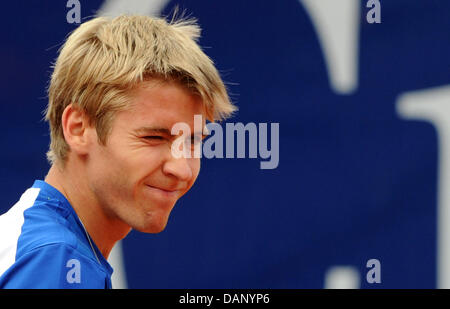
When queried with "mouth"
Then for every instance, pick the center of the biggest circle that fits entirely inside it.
(167, 193)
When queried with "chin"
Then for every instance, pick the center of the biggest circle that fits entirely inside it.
(153, 224)
(153, 229)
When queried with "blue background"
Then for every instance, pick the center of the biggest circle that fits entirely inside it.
(354, 182)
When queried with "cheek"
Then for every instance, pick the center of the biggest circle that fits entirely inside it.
(107, 173)
(112, 169)
(131, 159)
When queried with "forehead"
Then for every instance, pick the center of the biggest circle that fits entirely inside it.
(162, 103)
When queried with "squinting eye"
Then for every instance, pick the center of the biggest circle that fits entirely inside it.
(156, 137)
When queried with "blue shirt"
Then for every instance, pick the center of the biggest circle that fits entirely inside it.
(44, 245)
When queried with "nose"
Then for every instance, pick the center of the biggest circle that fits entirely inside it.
(178, 167)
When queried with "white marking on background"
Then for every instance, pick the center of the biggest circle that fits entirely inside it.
(342, 277)
(337, 24)
(433, 105)
(139, 7)
(118, 278)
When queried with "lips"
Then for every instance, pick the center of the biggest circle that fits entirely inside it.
(166, 192)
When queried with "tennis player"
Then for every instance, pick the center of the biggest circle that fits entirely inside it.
(117, 88)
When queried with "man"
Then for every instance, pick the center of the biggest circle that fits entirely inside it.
(118, 87)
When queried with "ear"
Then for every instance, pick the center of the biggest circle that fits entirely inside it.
(77, 130)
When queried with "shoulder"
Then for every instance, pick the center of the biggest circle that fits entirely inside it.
(55, 265)
(32, 222)
(35, 220)
(45, 224)
(42, 246)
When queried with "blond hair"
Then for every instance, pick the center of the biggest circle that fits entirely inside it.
(104, 59)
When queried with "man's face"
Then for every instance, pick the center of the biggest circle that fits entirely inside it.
(134, 176)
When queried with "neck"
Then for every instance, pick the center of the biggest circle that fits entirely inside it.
(103, 229)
